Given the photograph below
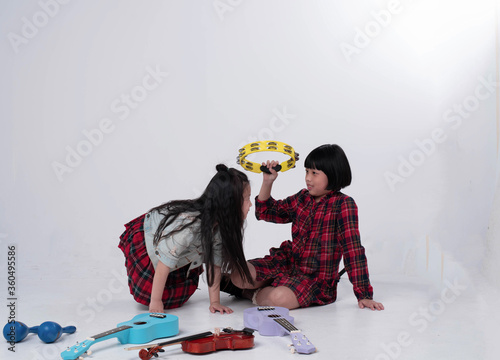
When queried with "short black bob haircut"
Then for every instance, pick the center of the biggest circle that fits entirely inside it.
(331, 159)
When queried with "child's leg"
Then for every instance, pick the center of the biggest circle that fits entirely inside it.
(265, 295)
(277, 296)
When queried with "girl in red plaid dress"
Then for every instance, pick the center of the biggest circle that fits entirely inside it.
(166, 248)
(304, 271)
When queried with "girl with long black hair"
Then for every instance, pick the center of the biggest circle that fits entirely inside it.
(165, 248)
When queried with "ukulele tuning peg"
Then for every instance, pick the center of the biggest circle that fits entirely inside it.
(292, 350)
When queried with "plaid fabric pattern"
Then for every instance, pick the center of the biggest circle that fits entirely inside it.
(322, 233)
(180, 284)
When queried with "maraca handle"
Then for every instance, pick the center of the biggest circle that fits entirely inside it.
(34, 329)
(69, 329)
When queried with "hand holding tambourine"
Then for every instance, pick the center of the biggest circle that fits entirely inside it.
(269, 172)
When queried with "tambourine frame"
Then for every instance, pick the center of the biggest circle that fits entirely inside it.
(268, 145)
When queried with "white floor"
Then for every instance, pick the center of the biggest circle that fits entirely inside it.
(421, 321)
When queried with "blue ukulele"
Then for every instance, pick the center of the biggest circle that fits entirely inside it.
(141, 329)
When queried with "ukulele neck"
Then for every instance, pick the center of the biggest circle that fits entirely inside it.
(285, 324)
(116, 332)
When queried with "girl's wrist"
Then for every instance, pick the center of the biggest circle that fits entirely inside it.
(268, 182)
(155, 299)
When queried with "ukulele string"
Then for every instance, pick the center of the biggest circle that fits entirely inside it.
(279, 319)
(287, 326)
(110, 332)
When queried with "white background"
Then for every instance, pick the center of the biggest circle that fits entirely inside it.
(399, 85)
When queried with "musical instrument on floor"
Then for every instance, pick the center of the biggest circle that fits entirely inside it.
(203, 343)
(141, 329)
(48, 331)
(276, 321)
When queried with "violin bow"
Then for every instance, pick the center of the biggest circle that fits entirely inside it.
(173, 342)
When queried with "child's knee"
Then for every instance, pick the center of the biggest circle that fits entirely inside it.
(278, 296)
(283, 297)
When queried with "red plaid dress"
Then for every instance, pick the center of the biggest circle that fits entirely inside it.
(180, 284)
(322, 233)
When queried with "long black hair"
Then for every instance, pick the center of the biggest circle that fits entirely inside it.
(219, 208)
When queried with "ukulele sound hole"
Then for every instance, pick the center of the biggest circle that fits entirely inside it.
(274, 316)
(140, 323)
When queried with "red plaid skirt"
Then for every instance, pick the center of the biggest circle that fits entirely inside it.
(279, 269)
(180, 284)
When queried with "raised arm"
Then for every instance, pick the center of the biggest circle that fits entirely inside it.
(268, 180)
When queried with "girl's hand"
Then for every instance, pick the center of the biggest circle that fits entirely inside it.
(371, 304)
(273, 175)
(216, 306)
(156, 306)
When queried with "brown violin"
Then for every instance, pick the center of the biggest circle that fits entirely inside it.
(233, 340)
(203, 343)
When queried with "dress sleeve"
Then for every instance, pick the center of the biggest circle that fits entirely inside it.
(276, 211)
(353, 252)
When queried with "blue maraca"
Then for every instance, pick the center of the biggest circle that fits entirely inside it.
(48, 331)
(15, 331)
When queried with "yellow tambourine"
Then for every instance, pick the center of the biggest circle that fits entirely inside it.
(259, 146)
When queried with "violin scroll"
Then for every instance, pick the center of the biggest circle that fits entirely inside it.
(146, 354)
